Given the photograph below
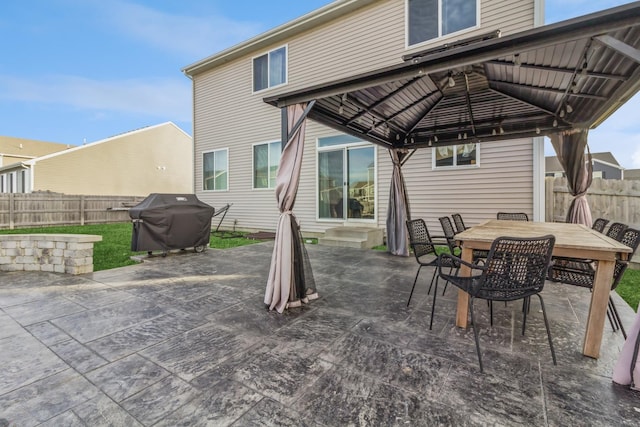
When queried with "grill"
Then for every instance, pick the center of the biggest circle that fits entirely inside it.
(163, 222)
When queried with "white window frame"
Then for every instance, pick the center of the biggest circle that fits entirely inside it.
(455, 159)
(214, 161)
(440, 35)
(253, 163)
(267, 54)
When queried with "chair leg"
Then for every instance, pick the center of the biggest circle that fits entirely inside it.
(617, 317)
(546, 324)
(447, 282)
(433, 303)
(414, 285)
(433, 277)
(475, 334)
(490, 312)
(612, 321)
(526, 305)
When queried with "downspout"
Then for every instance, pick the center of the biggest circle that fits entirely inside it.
(538, 142)
(193, 130)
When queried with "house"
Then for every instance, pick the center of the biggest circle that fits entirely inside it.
(154, 159)
(604, 164)
(14, 150)
(632, 174)
(237, 135)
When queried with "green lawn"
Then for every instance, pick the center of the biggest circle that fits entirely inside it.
(115, 248)
(629, 288)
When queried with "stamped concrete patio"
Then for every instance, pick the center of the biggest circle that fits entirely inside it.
(186, 340)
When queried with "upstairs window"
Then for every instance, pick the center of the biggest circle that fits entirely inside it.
(270, 69)
(430, 19)
(456, 156)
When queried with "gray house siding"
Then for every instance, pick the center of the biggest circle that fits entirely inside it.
(228, 115)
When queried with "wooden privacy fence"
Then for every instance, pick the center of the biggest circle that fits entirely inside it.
(615, 200)
(42, 209)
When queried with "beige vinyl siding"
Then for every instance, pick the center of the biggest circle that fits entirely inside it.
(125, 165)
(502, 182)
(508, 16)
(227, 114)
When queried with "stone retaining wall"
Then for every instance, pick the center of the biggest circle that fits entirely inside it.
(58, 253)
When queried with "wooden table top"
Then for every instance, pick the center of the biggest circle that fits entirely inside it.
(569, 237)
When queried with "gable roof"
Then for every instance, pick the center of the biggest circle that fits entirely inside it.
(31, 162)
(552, 164)
(281, 33)
(572, 74)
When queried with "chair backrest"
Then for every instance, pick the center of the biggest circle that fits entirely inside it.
(599, 224)
(419, 238)
(449, 233)
(616, 230)
(513, 216)
(631, 238)
(457, 220)
(516, 267)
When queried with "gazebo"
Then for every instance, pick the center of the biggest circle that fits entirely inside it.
(557, 80)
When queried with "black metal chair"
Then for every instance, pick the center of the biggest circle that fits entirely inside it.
(581, 273)
(599, 224)
(457, 220)
(454, 247)
(515, 269)
(512, 216)
(423, 245)
(616, 230)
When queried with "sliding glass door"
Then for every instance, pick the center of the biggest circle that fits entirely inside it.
(346, 181)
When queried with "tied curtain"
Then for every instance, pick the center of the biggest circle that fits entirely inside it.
(570, 149)
(287, 282)
(398, 210)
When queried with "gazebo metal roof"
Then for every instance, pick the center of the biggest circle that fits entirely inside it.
(573, 74)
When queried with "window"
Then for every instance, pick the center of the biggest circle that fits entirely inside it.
(266, 158)
(270, 69)
(215, 170)
(456, 155)
(430, 19)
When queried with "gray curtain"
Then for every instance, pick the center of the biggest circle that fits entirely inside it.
(398, 209)
(570, 148)
(286, 282)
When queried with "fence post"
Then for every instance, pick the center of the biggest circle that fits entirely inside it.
(12, 210)
(549, 199)
(81, 209)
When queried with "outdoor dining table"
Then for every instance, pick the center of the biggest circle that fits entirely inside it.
(572, 240)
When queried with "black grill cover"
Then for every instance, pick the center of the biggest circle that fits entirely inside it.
(170, 221)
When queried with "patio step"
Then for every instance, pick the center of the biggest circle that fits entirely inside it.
(352, 237)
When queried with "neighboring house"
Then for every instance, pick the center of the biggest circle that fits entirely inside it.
(154, 159)
(14, 150)
(604, 164)
(632, 174)
(345, 181)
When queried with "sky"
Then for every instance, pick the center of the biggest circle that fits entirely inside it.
(79, 71)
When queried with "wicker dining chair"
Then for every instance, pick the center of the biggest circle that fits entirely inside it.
(616, 230)
(457, 220)
(599, 224)
(515, 269)
(580, 273)
(424, 249)
(512, 216)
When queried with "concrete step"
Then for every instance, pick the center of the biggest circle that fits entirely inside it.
(352, 237)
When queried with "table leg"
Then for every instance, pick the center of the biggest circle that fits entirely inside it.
(598, 308)
(462, 313)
